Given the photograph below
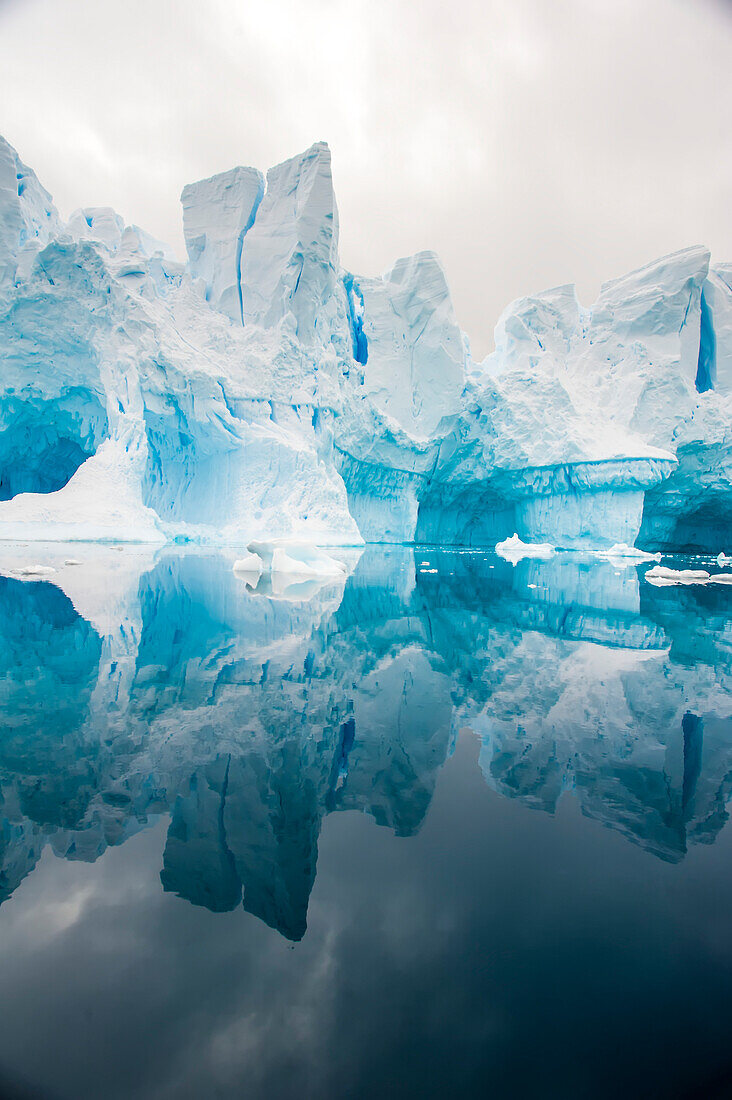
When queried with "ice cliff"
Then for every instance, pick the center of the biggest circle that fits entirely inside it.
(261, 392)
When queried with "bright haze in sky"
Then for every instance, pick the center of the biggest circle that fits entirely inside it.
(528, 142)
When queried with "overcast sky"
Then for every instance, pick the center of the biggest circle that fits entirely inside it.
(529, 142)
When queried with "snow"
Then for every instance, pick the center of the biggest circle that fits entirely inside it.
(261, 393)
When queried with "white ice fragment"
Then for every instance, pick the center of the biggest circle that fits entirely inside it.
(622, 550)
(251, 564)
(35, 570)
(513, 549)
(296, 559)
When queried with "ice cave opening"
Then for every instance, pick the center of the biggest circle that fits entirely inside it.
(466, 515)
(45, 442)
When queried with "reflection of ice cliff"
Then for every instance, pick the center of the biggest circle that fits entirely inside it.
(249, 718)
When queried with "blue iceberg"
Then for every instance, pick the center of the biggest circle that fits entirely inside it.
(260, 392)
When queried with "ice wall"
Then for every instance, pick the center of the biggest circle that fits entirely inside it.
(217, 214)
(260, 391)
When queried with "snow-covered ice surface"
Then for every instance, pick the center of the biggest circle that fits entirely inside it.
(260, 392)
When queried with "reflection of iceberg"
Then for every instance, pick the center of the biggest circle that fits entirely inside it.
(613, 725)
(249, 718)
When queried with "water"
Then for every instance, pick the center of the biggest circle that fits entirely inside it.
(457, 828)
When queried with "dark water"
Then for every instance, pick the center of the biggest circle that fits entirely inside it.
(459, 829)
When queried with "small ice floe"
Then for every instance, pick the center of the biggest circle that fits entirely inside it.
(622, 554)
(72, 561)
(283, 558)
(723, 559)
(513, 549)
(661, 575)
(251, 564)
(34, 570)
(296, 559)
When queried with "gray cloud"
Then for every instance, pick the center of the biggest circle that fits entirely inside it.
(529, 143)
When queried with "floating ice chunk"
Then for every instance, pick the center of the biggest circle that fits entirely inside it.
(622, 550)
(72, 561)
(623, 556)
(723, 559)
(296, 559)
(250, 564)
(35, 570)
(513, 549)
(721, 578)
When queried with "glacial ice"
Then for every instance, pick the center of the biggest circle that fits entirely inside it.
(514, 549)
(217, 214)
(296, 559)
(250, 564)
(260, 392)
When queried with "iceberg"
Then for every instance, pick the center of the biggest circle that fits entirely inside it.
(261, 393)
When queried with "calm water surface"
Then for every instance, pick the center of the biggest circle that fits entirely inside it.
(454, 828)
